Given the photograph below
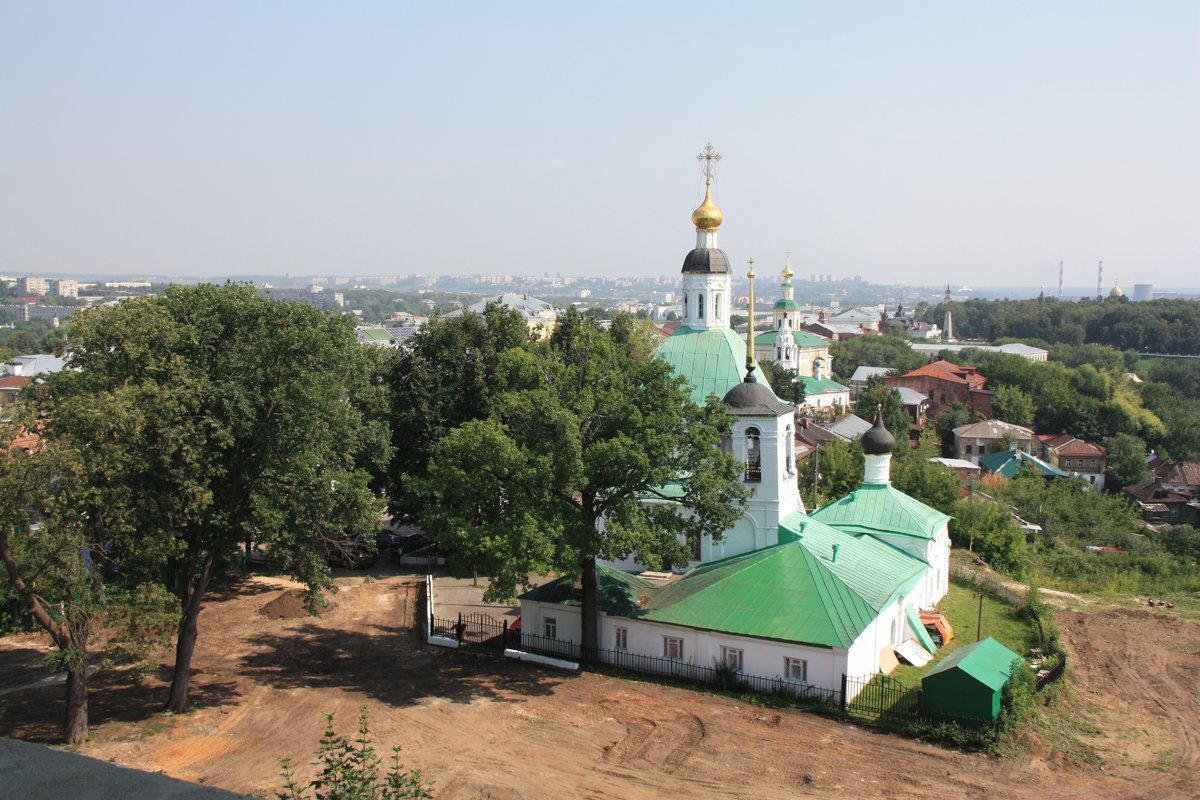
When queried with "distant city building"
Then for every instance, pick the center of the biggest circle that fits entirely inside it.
(315, 296)
(33, 287)
(65, 287)
(1021, 349)
(126, 284)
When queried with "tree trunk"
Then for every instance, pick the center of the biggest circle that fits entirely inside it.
(186, 644)
(75, 726)
(590, 612)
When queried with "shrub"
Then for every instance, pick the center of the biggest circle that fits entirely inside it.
(350, 771)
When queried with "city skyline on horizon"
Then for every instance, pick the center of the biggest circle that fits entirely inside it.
(934, 144)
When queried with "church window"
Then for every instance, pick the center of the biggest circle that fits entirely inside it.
(696, 549)
(700, 306)
(795, 669)
(673, 648)
(717, 305)
(685, 304)
(753, 455)
(621, 639)
(550, 627)
(732, 657)
(790, 457)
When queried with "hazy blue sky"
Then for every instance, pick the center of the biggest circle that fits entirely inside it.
(916, 142)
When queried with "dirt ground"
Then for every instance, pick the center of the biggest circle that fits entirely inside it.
(266, 672)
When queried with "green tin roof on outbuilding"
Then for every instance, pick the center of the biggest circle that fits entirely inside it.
(713, 361)
(815, 386)
(987, 661)
(1007, 463)
(881, 508)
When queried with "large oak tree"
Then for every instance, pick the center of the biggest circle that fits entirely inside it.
(208, 417)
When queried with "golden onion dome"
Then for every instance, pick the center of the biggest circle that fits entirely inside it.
(1116, 291)
(787, 273)
(707, 217)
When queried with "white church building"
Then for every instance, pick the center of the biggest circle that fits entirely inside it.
(806, 598)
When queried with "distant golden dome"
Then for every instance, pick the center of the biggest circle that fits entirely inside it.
(1116, 291)
(707, 217)
(787, 273)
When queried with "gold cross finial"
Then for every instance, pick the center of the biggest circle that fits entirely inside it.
(708, 159)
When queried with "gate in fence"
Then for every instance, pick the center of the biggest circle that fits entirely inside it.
(476, 630)
(880, 696)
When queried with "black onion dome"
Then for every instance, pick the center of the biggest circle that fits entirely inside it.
(751, 398)
(877, 441)
(706, 260)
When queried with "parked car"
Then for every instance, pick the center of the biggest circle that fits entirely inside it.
(352, 552)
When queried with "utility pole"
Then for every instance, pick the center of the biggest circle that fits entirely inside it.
(979, 619)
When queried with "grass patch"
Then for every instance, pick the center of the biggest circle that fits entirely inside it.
(961, 607)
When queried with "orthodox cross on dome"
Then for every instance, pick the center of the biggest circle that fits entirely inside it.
(708, 159)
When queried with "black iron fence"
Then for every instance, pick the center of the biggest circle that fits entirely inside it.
(476, 630)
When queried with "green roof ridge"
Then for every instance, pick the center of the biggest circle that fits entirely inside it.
(882, 508)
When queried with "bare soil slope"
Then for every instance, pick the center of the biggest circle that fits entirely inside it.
(507, 730)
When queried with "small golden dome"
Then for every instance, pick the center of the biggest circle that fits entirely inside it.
(707, 217)
(787, 273)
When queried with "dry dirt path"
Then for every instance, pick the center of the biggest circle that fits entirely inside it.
(506, 730)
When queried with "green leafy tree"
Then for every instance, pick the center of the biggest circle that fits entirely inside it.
(880, 398)
(988, 529)
(1013, 405)
(832, 472)
(1126, 462)
(874, 351)
(785, 382)
(446, 375)
(208, 417)
(349, 769)
(55, 562)
(953, 416)
(933, 484)
(589, 453)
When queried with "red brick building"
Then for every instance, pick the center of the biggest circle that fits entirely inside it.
(944, 383)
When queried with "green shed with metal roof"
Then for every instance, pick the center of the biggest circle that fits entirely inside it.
(966, 684)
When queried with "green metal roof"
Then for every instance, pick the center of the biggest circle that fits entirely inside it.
(987, 661)
(784, 304)
(875, 570)
(783, 592)
(713, 361)
(815, 386)
(376, 334)
(881, 508)
(1006, 463)
(617, 592)
(918, 629)
(802, 339)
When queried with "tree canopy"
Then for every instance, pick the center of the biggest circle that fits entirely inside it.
(208, 417)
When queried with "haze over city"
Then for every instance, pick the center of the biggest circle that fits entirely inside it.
(964, 143)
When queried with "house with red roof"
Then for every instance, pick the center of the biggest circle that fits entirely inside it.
(943, 383)
(1078, 457)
